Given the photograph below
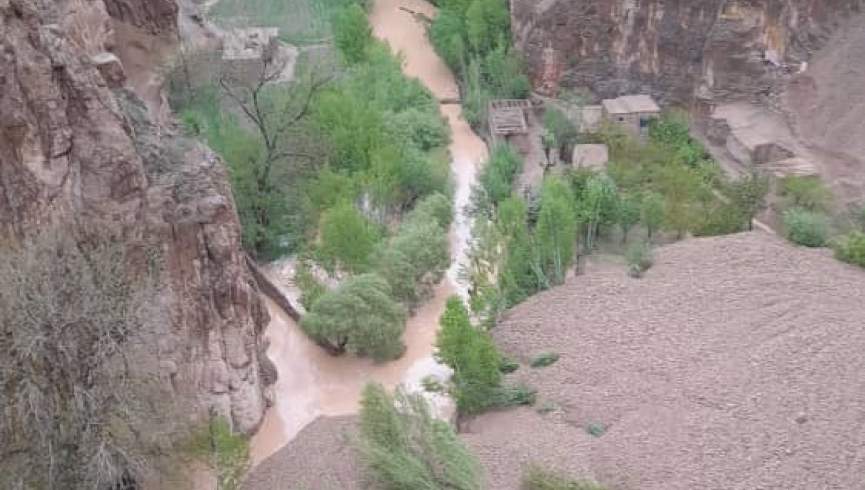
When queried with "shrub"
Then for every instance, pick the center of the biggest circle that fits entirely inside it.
(805, 227)
(850, 248)
(595, 429)
(627, 214)
(537, 478)
(723, 219)
(226, 452)
(544, 359)
(809, 193)
(82, 404)
(508, 365)
(360, 317)
(403, 446)
(639, 258)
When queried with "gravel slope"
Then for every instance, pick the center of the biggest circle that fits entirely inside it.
(738, 362)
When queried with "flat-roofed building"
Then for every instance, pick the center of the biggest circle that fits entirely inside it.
(631, 112)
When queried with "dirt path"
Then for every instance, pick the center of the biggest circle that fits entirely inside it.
(312, 383)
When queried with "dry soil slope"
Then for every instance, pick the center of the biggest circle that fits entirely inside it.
(737, 362)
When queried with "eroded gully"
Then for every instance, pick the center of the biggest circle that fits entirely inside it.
(311, 382)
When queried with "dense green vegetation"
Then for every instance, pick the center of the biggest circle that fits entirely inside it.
(373, 201)
(402, 446)
(473, 38)
(527, 243)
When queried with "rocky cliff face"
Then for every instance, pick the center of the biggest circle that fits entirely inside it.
(78, 145)
(679, 50)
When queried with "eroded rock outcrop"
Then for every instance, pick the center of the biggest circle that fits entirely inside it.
(77, 145)
(677, 50)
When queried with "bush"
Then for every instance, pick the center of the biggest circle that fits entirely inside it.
(404, 447)
(544, 359)
(809, 193)
(224, 451)
(724, 219)
(805, 227)
(537, 478)
(639, 258)
(360, 317)
(508, 365)
(850, 248)
(82, 405)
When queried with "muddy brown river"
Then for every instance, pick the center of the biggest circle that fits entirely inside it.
(311, 382)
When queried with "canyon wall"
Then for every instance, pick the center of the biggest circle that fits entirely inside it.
(79, 145)
(677, 50)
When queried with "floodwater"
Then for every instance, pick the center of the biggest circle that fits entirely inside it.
(313, 383)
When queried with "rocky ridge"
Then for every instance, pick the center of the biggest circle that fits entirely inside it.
(79, 145)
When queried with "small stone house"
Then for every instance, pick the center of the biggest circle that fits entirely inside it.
(631, 112)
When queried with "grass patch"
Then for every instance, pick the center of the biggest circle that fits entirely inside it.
(850, 248)
(544, 359)
(596, 429)
(538, 478)
(300, 22)
(508, 365)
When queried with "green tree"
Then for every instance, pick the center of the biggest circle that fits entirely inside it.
(497, 176)
(404, 447)
(556, 230)
(628, 214)
(598, 206)
(360, 317)
(415, 259)
(347, 239)
(472, 355)
(749, 195)
(563, 131)
(652, 212)
(681, 186)
(436, 206)
(352, 33)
